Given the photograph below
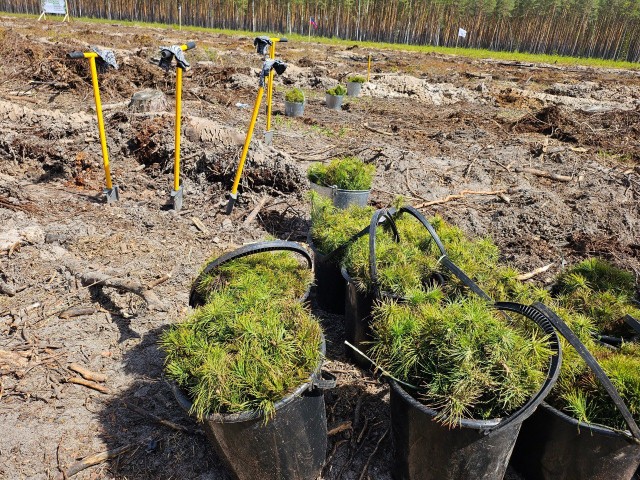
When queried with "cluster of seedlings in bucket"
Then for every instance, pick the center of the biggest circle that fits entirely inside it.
(356, 79)
(438, 337)
(347, 173)
(295, 95)
(337, 91)
(253, 341)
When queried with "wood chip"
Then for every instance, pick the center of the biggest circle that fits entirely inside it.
(198, 223)
(545, 174)
(340, 428)
(254, 213)
(533, 273)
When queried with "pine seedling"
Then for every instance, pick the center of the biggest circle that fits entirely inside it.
(346, 173)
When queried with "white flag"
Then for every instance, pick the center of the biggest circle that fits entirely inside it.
(462, 33)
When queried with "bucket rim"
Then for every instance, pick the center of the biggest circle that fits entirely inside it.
(185, 402)
(463, 423)
(334, 188)
(592, 427)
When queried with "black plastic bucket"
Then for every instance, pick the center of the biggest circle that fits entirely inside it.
(357, 320)
(195, 298)
(291, 446)
(555, 446)
(474, 449)
(330, 285)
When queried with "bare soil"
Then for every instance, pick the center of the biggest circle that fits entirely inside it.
(558, 146)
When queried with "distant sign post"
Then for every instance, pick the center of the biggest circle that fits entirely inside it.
(56, 7)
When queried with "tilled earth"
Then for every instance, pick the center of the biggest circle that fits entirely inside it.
(544, 159)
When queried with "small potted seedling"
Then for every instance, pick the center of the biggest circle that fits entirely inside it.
(247, 362)
(354, 85)
(346, 180)
(294, 103)
(334, 97)
(463, 378)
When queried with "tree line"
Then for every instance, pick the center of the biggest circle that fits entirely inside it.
(585, 28)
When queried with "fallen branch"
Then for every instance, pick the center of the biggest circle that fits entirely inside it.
(159, 281)
(458, 196)
(533, 273)
(88, 374)
(375, 450)
(340, 428)
(254, 213)
(93, 460)
(77, 312)
(375, 130)
(545, 174)
(132, 286)
(88, 384)
(161, 421)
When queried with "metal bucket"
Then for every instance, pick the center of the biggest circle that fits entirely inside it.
(293, 109)
(343, 198)
(353, 89)
(334, 102)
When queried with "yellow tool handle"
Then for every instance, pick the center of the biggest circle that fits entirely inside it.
(176, 163)
(247, 141)
(188, 46)
(103, 138)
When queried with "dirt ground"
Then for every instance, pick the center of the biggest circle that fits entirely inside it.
(554, 151)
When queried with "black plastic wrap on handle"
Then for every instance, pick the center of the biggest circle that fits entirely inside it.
(75, 55)
(546, 324)
(377, 217)
(283, 39)
(190, 45)
(195, 299)
(593, 364)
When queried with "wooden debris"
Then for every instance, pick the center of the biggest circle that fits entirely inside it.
(159, 281)
(375, 130)
(161, 421)
(340, 428)
(11, 361)
(254, 213)
(7, 289)
(93, 460)
(88, 384)
(457, 196)
(533, 273)
(545, 174)
(198, 223)
(363, 474)
(88, 374)
(77, 312)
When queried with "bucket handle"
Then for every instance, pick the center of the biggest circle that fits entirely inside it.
(593, 364)
(378, 217)
(444, 259)
(323, 380)
(553, 371)
(245, 251)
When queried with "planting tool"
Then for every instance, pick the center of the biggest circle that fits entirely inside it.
(369, 68)
(102, 59)
(267, 46)
(268, 67)
(167, 55)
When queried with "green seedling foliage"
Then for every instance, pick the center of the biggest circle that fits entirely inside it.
(252, 343)
(295, 95)
(347, 173)
(338, 91)
(257, 277)
(234, 358)
(599, 275)
(356, 79)
(466, 359)
(332, 227)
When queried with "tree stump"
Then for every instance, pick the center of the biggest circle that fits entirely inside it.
(148, 101)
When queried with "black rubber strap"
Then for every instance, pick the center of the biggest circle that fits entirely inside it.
(421, 218)
(195, 299)
(355, 237)
(593, 364)
(553, 371)
(632, 322)
(75, 55)
(470, 284)
(376, 219)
